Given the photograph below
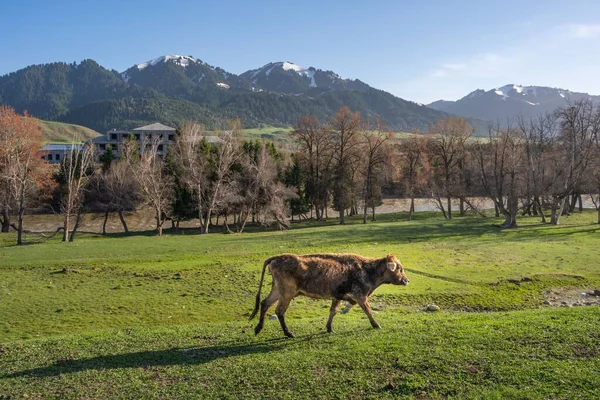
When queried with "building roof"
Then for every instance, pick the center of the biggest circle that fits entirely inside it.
(100, 139)
(60, 147)
(155, 127)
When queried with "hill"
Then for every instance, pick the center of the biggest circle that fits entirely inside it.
(58, 132)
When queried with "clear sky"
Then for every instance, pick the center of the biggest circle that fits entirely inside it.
(420, 50)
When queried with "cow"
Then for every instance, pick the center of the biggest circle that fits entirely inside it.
(339, 277)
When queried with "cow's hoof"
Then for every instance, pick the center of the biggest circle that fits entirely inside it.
(330, 330)
(257, 330)
(289, 334)
(376, 326)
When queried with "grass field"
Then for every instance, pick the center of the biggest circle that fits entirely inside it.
(59, 132)
(149, 317)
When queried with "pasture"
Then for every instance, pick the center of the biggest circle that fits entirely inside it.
(149, 317)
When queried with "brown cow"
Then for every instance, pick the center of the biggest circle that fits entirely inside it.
(340, 277)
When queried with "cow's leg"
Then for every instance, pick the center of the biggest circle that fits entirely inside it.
(264, 307)
(364, 304)
(332, 311)
(347, 308)
(284, 302)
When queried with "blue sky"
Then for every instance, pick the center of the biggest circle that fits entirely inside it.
(421, 51)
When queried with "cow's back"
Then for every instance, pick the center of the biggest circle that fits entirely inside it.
(317, 275)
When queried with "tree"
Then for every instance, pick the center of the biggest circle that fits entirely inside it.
(579, 127)
(501, 160)
(76, 169)
(261, 189)
(295, 176)
(226, 154)
(413, 166)
(539, 136)
(375, 154)
(116, 190)
(106, 158)
(315, 156)
(345, 127)
(155, 184)
(593, 184)
(24, 176)
(192, 153)
(446, 150)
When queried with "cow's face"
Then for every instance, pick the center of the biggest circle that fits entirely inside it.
(396, 271)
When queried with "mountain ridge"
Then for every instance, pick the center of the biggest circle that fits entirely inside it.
(175, 87)
(510, 101)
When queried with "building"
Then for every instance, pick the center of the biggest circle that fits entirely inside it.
(55, 153)
(144, 134)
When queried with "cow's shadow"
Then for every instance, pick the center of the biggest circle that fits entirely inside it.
(159, 358)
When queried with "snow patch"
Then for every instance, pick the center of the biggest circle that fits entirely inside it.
(125, 77)
(291, 66)
(183, 61)
(201, 77)
(223, 85)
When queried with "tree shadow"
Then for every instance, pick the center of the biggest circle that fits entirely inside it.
(161, 358)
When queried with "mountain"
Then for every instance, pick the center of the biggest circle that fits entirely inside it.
(510, 101)
(173, 88)
(289, 78)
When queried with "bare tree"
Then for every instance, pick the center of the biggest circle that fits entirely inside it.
(579, 127)
(446, 150)
(315, 155)
(155, 184)
(227, 154)
(501, 161)
(76, 168)
(116, 190)
(23, 175)
(192, 151)
(261, 191)
(345, 128)
(413, 166)
(375, 154)
(539, 137)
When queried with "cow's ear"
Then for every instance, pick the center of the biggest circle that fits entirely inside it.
(392, 266)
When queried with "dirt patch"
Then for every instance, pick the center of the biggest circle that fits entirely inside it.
(562, 297)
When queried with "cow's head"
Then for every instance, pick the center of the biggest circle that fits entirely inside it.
(395, 271)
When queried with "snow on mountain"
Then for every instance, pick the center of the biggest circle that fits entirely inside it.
(183, 61)
(222, 85)
(509, 101)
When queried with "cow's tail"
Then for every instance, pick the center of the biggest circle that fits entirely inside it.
(262, 278)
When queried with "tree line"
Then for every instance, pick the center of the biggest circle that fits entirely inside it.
(541, 167)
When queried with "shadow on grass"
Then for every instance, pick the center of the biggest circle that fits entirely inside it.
(161, 358)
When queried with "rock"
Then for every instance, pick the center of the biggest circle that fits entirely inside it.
(547, 302)
(596, 292)
(432, 308)
(526, 279)
(273, 317)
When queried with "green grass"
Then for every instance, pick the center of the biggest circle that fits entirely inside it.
(149, 317)
(59, 132)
